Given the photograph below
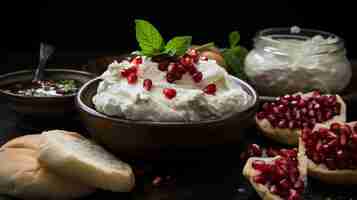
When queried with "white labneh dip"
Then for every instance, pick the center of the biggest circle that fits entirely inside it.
(116, 97)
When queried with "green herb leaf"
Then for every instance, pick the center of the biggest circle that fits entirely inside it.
(148, 37)
(178, 45)
(234, 38)
(234, 58)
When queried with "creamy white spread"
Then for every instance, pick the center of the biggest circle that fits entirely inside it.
(116, 97)
(281, 66)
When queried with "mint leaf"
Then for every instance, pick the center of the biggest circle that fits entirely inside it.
(234, 58)
(178, 45)
(234, 38)
(148, 37)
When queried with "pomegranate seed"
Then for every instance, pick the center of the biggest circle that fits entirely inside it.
(197, 77)
(293, 195)
(297, 97)
(333, 143)
(282, 108)
(266, 106)
(169, 93)
(291, 124)
(301, 104)
(258, 164)
(343, 139)
(304, 111)
(354, 137)
(319, 146)
(260, 115)
(191, 69)
(323, 132)
(282, 124)
(284, 184)
(328, 116)
(210, 89)
(273, 189)
(294, 103)
(316, 94)
(170, 77)
(317, 106)
(137, 60)
(335, 127)
(272, 152)
(163, 66)
(299, 185)
(355, 128)
(172, 67)
(186, 61)
(330, 163)
(260, 179)
(311, 113)
(340, 154)
(147, 84)
(331, 135)
(157, 181)
(316, 158)
(181, 69)
(287, 97)
(255, 150)
(125, 73)
(132, 78)
(194, 54)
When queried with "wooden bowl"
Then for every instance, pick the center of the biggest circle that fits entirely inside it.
(41, 107)
(150, 140)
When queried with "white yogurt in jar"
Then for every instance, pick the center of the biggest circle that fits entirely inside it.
(283, 63)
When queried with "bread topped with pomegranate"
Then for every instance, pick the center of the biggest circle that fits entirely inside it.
(331, 152)
(278, 178)
(282, 119)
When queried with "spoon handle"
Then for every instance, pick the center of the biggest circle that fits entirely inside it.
(46, 51)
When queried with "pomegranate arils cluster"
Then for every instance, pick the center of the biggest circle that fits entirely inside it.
(335, 147)
(297, 112)
(281, 176)
(131, 73)
(185, 64)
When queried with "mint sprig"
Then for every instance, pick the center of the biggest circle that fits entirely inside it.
(235, 55)
(152, 43)
(178, 45)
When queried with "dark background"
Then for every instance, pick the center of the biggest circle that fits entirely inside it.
(99, 27)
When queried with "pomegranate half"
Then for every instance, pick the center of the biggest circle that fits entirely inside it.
(282, 119)
(331, 152)
(278, 178)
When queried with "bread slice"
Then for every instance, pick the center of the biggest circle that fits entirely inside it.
(22, 176)
(28, 142)
(72, 155)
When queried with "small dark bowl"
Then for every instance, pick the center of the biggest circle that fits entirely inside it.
(160, 140)
(41, 106)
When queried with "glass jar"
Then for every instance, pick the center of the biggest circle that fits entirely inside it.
(289, 60)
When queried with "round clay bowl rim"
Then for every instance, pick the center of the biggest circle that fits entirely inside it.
(82, 106)
(22, 72)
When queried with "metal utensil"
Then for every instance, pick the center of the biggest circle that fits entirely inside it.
(46, 51)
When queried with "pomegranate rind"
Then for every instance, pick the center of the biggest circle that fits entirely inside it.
(291, 136)
(322, 173)
(249, 172)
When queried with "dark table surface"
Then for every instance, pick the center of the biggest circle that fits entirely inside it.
(215, 174)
